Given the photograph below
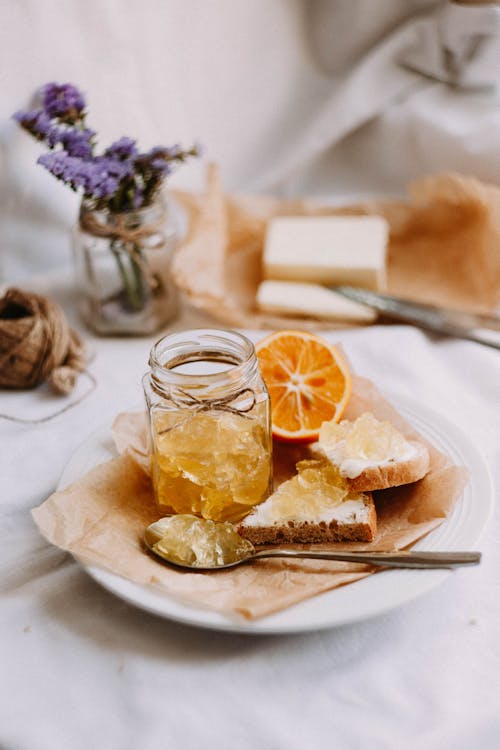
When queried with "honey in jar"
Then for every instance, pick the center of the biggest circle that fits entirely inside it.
(209, 418)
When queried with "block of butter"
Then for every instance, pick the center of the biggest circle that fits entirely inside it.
(327, 250)
(297, 298)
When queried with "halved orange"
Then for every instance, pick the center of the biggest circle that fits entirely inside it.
(308, 381)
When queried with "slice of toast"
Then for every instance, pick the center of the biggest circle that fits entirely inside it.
(369, 458)
(394, 472)
(313, 506)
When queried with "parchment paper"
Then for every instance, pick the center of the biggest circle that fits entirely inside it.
(101, 519)
(443, 248)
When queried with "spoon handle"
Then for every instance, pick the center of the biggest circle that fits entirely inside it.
(400, 559)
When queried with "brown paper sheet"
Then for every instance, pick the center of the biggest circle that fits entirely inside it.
(102, 516)
(443, 248)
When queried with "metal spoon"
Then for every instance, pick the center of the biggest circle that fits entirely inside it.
(399, 559)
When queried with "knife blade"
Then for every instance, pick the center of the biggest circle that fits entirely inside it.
(484, 329)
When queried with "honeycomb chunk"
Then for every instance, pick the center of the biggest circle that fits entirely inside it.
(316, 487)
(200, 543)
(211, 464)
(366, 438)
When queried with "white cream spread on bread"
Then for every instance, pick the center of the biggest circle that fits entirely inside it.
(366, 443)
(351, 467)
(349, 511)
(316, 494)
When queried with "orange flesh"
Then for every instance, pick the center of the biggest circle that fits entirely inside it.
(308, 382)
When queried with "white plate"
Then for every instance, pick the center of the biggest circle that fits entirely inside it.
(357, 601)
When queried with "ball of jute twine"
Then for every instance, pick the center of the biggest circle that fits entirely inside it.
(38, 345)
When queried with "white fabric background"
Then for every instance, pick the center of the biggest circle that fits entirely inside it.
(318, 97)
(294, 98)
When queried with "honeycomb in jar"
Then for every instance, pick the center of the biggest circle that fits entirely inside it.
(212, 464)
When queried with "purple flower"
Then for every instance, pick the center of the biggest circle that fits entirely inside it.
(36, 122)
(100, 178)
(63, 101)
(157, 159)
(58, 163)
(94, 176)
(77, 142)
(162, 160)
(115, 167)
(123, 148)
(26, 117)
(161, 166)
(119, 179)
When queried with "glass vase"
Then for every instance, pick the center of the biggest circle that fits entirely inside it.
(122, 263)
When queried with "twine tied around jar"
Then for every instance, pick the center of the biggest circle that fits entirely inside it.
(197, 405)
(130, 237)
(36, 345)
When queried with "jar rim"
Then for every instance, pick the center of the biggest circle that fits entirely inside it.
(197, 345)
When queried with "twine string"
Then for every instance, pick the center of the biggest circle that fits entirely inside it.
(119, 229)
(37, 345)
(196, 405)
(52, 415)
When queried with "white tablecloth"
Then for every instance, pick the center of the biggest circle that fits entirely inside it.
(82, 669)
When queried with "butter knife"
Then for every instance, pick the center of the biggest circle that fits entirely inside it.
(484, 329)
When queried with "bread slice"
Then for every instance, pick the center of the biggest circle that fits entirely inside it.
(313, 506)
(395, 472)
(394, 460)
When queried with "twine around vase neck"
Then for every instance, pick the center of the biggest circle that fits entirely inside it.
(119, 226)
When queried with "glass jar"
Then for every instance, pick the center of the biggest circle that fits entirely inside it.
(122, 263)
(210, 425)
